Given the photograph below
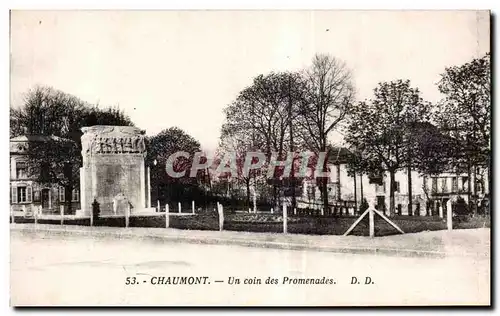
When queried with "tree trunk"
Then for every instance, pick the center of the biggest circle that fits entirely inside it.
(275, 196)
(391, 192)
(67, 198)
(209, 180)
(410, 193)
(324, 189)
(324, 180)
(469, 183)
(474, 191)
(339, 193)
(292, 147)
(247, 182)
(361, 188)
(488, 181)
(355, 194)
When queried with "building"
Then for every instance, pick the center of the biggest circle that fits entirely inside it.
(26, 194)
(429, 193)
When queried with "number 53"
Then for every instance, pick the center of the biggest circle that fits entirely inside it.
(130, 280)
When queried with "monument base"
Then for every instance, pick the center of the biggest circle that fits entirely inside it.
(136, 212)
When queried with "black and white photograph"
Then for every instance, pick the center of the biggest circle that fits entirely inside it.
(250, 158)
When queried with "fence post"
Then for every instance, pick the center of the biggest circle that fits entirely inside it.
(158, 209)
(179, 204)
(285, 219)
(449, 215)
(61, 208)
(272, 210)
(127, 215)
(441, 210)
(192, 206)
(167, 216)
(12, 215)
(220, 208)
(249, 210)
(92, 217)
(36, 216)
(294, 211)
(372, 223)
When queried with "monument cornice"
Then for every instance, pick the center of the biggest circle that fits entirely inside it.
(103, 139)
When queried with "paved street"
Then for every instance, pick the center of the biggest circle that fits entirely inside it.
(89, 270)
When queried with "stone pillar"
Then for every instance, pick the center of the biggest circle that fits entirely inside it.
(143, 201)
(148, 187)
(83, 196)
(93, 184)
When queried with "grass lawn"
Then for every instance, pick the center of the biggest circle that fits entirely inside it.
(315, 225)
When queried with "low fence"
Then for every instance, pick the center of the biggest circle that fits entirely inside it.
(282, 220)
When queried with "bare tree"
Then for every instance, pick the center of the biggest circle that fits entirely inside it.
(262, 115)
(330, 94)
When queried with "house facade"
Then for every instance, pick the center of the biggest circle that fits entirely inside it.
(26, 194)
(430, 193)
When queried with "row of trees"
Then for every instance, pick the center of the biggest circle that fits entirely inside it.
(290, 112)
(394, 130)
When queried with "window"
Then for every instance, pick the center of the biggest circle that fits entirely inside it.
(465, 183)
(61, 194)
(75, 195)
(21, 170)
(444, 185)
(333, 173)
(21, 194)
(479, 186)
(454, 184)
(311, 192)
(434, 185)
(396, 186)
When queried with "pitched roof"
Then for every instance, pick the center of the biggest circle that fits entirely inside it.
(338, 154)
(38, 138)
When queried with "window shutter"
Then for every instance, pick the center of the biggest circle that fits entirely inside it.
(36, 194)
(14, 194)
(61, 194)
(28, 194)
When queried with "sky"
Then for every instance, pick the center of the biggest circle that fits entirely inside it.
(182, 68)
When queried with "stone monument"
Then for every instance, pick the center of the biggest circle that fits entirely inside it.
(114, 170)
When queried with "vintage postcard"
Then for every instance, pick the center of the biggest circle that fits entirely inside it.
(250, 158)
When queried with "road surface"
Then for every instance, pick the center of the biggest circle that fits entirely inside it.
(81, 270)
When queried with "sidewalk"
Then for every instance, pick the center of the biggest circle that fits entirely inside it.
(465, 242)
